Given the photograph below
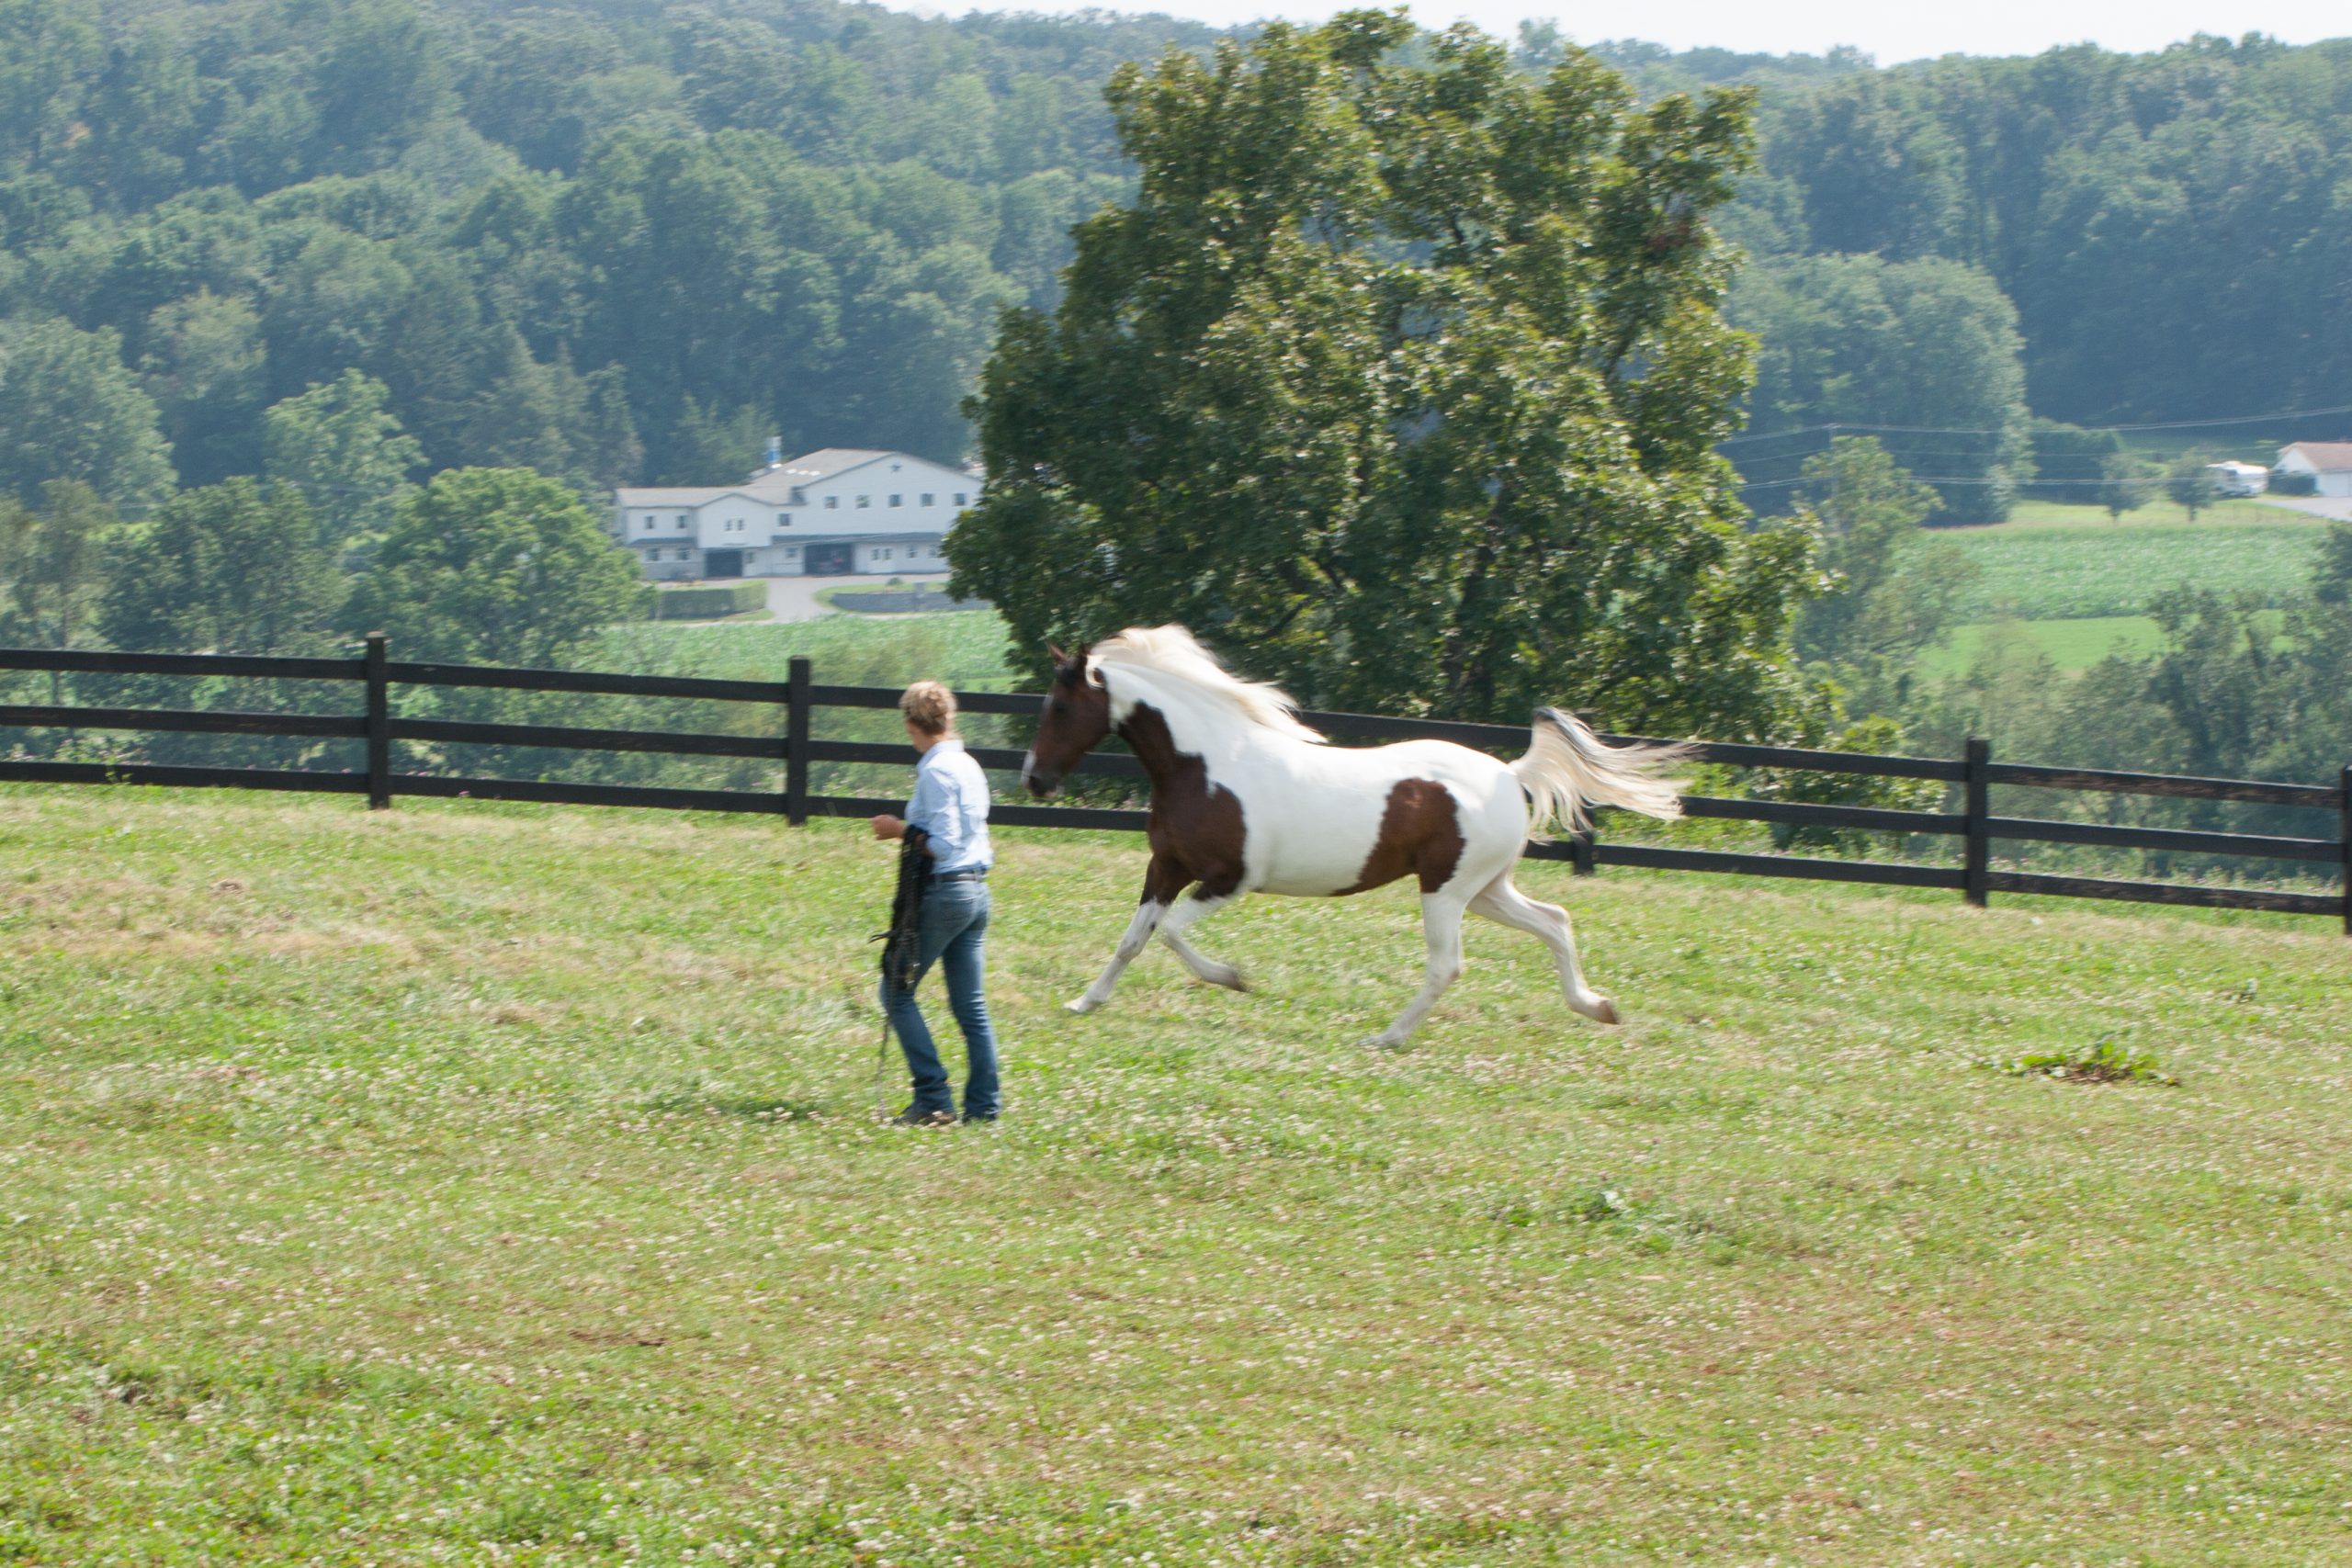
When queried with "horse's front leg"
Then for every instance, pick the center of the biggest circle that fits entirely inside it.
(1200, 906)
(1441, 924)
(1161, 882)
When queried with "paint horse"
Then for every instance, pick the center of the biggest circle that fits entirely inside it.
(1247, 799)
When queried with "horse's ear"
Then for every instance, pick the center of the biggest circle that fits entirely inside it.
(1056, 654)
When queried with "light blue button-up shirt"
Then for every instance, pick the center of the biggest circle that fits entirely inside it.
(951, 804)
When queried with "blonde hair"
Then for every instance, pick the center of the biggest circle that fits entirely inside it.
(929, 706)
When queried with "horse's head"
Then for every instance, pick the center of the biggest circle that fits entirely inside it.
(1077, 716)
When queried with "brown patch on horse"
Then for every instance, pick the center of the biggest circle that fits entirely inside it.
(1195, 827)
(1420, 832)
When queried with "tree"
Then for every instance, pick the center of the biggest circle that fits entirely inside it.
(72, 411)
(1895, 591)
(496, 566)
(1397, 383)
(52, 559)
(336, 445)
(47, 47)
(228, 568)
(2189, 483)
(205, 367)
(2127, 482)
(1926, 351)
(2071, 463)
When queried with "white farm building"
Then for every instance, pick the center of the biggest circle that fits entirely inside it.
(830, 513)
(2329, 462)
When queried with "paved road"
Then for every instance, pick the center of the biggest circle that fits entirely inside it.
(794, 598)
(2336, 507)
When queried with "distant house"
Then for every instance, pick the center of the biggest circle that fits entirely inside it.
(2328, 462)
(833, 513)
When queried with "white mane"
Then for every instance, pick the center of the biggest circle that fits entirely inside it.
(1171, 653)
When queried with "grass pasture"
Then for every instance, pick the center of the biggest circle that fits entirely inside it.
(2073, 646)
(484, 1184)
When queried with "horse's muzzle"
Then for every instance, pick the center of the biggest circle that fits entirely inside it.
(1042, 783)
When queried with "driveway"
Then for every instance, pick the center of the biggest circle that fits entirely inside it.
(794, 598)
(2336, 508)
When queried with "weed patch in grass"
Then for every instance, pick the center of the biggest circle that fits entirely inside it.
(2107, 1062)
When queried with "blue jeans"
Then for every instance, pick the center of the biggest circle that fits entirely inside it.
(954, 933)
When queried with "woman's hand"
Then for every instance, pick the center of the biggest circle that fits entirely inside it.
(888, 827)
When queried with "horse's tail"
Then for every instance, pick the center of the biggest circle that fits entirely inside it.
(1568, 768)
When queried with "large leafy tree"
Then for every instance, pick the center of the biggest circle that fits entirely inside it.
(338, 446)
(1926, 351)
(494, 566)
(1398, 382)
(72, 411)
(232, 568)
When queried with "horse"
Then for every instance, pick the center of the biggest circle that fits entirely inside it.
(1246, 798)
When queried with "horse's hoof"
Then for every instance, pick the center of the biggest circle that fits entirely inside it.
(1603, 1010)
(1383, 1042)
(1081, 1005)
(1229, 978)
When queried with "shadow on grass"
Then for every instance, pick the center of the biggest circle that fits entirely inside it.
(697, 1100)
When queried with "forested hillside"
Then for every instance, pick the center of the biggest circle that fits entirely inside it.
(616, 239)
(603, 240)
(2173, 228)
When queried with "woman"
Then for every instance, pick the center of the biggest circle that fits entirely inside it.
(951, 808)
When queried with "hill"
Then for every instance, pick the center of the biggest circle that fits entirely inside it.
(483, 1183)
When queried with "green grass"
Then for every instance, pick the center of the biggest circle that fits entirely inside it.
(473, 1184)
(2073, 646)
(965, 647)
(2079, 568)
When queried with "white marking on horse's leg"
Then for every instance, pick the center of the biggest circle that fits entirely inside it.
(1172, 932)
(1504, 904)
(1441, 925)
(1138, 933)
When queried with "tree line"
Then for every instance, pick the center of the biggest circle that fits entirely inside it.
(606, 242)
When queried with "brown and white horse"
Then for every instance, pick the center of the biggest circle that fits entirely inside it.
(1247, 799)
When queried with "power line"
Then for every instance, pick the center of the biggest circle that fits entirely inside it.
(2088, 430)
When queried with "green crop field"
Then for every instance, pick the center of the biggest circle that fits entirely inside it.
(475, 1184)
(2075, 569)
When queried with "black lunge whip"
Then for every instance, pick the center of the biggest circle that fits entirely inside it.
(902, 943)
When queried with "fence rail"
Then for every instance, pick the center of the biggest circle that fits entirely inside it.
(797, 748)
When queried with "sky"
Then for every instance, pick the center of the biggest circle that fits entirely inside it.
(1891, 33)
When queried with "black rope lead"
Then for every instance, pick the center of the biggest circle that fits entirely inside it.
(902, 943)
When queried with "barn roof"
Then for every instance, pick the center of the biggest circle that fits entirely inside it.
(2324, 455)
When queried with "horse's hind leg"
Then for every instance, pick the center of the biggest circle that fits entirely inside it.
(1504, 904)
(1173, 925)
(1161, 882)
(1442, 926)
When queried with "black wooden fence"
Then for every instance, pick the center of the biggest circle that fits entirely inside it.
(1975, 824)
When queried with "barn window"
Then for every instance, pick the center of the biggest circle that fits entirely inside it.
(898, 500)
(959, 498)
(832, 503)
(926, 498)
(863, 502)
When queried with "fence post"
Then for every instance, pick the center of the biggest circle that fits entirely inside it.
(1580, 851)
(2343, 843)
(1977, 865)
(796, 745)
(379, 727)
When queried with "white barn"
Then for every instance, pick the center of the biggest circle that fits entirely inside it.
(2328, 462)
(833, 513)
